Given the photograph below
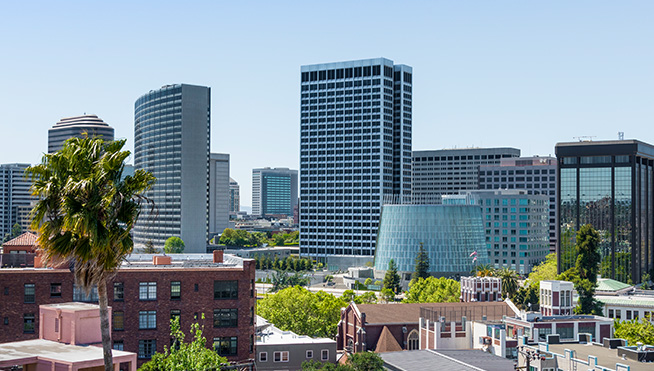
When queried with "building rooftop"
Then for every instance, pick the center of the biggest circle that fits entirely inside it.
(451, 360)
(25, 239)
(627, 300)
(606, 357)
(607, 284)
(410, 313)
(51, 350)
(268, 334)
(179, 261)
(84, 120)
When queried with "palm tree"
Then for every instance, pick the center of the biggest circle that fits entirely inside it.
(483, 270)
(509, 279)
(85, 213)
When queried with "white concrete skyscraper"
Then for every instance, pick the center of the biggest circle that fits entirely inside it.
(171, 140)
(355, 150)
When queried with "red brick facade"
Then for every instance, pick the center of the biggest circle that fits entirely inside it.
(197, 297)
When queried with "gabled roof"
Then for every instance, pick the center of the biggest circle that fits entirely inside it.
(607, 284)
(387, 342)
(401, 313)
(25, 239)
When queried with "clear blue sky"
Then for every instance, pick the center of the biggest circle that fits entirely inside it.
(526, 74)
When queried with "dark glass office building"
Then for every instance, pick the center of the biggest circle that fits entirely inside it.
(609, 185)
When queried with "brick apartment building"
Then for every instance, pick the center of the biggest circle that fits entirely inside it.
(145, 293)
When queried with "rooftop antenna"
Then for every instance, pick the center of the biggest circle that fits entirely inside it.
(620, 135)
(585, 138)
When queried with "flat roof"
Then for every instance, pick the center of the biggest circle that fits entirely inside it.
(271, 335)
(72, 306)
(459, 360)
(605, 357)
(19, 350)
(628, 301)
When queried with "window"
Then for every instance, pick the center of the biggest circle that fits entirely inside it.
(6, 290)
(147, 319)
(309, 354)
(225, 289)
(225, 317)
(324, 354)
(413, 340)
(263, 356)
(79, 294)
(175, 290)
(118, 321)
(280, 356)
(55, 290)
(628, 315)
(176, 313)
(196, 288)
(610, 313)
(147, 290)
(147, 348)
(29, 293)
(118, 345)
(28, 323)
(6, 320)
(119, 293)
(226, 346)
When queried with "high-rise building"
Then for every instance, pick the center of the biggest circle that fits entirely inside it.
(15, 197)
(218, 193)
(234, 197)
(171, 140)
(355, 150)
(70, 127)
(274, 191)
(515, 224)
(536, 175)
(609, 185)
(448, 171)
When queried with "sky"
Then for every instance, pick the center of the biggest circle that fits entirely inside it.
(521, 74)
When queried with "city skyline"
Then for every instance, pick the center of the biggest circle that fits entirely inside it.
(560, 70)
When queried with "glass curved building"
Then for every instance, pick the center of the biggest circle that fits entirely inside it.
(171, 140)
(449, 234)
(76, 127)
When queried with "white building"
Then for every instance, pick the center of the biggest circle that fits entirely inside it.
(556, 298)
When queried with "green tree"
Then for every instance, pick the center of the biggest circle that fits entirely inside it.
(364, 361)
(185, 356)
(174, 245)
(634, 331)
(148, 248)
(509, 279)
(368, 281)
(527, 297)
(387, 295)
(422, 264)
(16, 230)
(85, 213)
(392, 279)
(282, 280)
(433, 290)
(303, 312)
(278, 239)
(483, 270)
(545, 271)
(367, 297)
(586, 269)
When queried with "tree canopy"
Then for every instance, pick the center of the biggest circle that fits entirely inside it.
(585, 270)
(392, 279)
(363, 361)
(174, 245)
(422, 264)
(185, 356)
(86, 211)
(303, 312)
(544, 271)
(635, 331)
(433, 290)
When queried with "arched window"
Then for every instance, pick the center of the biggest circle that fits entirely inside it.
(413, 340)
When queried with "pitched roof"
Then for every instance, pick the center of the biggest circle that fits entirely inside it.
(607, 284)
(387, 342)
(25, 239)
(406, 313)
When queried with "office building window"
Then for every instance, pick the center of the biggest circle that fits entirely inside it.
(147, 290)
(118, 321)
(79, 294)
(225, 289)
(119, 293)
(226, 346)
(280, 356)
(309, 354)
(147, 319)
(225, 317)
(324, 354)
(29, 293)
(147, 348)
(28, 323)
(263, 356)
(118, 345)
(175, 290)
(55, 290)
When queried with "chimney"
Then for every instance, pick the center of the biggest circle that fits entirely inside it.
(161, 260)
(218, 256)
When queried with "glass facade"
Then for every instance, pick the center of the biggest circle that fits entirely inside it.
(612, 191)
(449, 234)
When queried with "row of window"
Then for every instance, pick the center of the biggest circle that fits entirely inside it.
(283, 356)
(225, 317)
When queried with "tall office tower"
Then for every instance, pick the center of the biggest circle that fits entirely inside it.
(218, 193)
(517, 233)
(274, 191)
(15, 197)
(355, 150)
(609, 185)
(75, 127)
(536, 175)
(448, 171)
(171, 140)
(234, 197)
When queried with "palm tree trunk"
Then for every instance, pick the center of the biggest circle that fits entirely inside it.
(104, 325)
